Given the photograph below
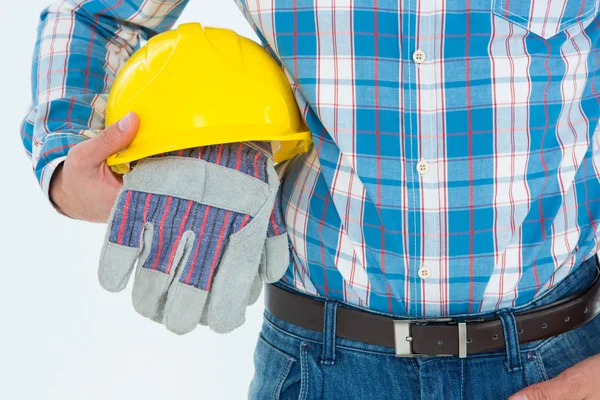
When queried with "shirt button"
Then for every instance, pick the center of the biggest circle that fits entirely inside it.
(419, 56)
(422, 167)
(424, 272)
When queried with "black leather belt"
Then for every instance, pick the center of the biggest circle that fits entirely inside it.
(436, 337)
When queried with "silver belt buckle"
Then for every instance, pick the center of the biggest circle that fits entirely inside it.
(403, 338)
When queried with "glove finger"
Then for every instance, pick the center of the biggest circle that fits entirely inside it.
(275, 258)
(255, 290)
(158, 317)
(233, 282)
(185, 303)
(232, 286)
(253, 296)
(204, 316)
(188, 295)
(121, 246)
(165, 250)
(116, 264)
(184, 307)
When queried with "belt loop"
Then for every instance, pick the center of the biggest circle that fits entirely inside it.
(329, 329)
(511, 338)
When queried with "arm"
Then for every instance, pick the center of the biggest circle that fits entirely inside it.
(80, 48)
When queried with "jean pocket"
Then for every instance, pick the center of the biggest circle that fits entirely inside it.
(548, 18)
(271, 369)
(279, 375)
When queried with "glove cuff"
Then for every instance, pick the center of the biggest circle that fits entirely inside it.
(249, 157)
(200, 181)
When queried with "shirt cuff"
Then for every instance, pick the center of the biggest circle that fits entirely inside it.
(46, 178)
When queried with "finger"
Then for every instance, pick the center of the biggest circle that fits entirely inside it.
(111, 140)
(569, 385)
(122, 244)
(166, 244)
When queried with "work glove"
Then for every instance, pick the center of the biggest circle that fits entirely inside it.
(196, 223)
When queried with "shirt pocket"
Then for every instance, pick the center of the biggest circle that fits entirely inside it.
(548, 18)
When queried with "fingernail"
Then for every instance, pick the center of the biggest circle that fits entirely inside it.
(519, 397)
(125, 122)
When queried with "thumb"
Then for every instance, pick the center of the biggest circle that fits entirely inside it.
(563, 387)
(111, 140)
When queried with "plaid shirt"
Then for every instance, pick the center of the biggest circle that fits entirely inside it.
(455, 167)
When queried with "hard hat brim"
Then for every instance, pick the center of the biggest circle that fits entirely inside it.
(296, 142)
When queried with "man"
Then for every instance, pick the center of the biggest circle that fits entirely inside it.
(454, 176)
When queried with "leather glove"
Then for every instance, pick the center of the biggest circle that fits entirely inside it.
(196, 223)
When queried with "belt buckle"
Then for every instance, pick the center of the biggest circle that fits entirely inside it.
(403, 338)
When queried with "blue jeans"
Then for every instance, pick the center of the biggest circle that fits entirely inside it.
(296, 363)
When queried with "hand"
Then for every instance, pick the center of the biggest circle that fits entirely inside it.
(84, 187)
(576, 383)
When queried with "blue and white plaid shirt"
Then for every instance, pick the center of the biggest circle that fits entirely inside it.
(456, 163)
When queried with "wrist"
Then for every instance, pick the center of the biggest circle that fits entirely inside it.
(56, 192)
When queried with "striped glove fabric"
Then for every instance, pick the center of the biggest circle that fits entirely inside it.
(204, 226)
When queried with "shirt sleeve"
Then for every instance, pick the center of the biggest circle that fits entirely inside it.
(80, 47)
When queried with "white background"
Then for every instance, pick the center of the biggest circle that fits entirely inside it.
(61, 335)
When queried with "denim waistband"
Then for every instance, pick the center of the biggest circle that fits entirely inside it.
(582, 277)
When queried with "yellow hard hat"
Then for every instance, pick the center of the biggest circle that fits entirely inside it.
(195, 86)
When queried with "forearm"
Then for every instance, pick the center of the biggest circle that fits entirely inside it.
(80, 48)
